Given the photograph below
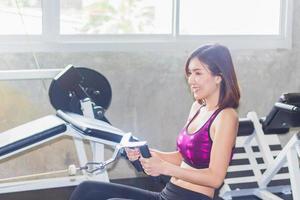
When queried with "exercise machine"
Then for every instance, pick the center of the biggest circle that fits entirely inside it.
(80, 96)
(260, 165)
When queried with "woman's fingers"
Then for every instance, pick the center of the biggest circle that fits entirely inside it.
(145, 166)
(148, 168)
(132, 154)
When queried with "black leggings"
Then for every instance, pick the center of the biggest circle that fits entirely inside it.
(90, 190)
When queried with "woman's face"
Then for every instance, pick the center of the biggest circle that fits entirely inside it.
(202, 82)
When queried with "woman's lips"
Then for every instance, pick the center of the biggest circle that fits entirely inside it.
(195, 89)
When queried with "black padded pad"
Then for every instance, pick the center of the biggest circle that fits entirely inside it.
(245, 127)
(92, 127)
(30, 133)
(281, 117)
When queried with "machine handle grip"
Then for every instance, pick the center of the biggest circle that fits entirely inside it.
(146, 154)
(145, 151)
(137, 165)
(287, 107)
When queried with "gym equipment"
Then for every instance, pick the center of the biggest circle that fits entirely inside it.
(73, 85)
(260, 165)
(81, 96)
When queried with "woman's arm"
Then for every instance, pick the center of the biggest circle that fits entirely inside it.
(174, 157)
(225, 131)
(171, 157)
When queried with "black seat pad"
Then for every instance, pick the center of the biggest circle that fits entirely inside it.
(92, 127)
(245, 127)
(30, 133)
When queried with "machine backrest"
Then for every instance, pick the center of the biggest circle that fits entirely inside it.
(284, 114)
(245, 127)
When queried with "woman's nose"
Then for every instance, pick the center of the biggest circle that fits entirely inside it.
(191, 79)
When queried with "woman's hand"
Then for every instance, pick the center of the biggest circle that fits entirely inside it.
(133, 154)
(153, 166)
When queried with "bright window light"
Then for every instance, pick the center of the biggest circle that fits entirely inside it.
(20, 17)
(116, 17)
(230, 17)
(114, 25)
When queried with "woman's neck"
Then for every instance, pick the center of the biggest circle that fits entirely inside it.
(212, 102)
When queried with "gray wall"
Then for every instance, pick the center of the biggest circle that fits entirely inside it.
(150, 96)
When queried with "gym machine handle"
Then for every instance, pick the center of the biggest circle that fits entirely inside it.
(137, 165)
(287, 107)
(145, 151)
(146, 154)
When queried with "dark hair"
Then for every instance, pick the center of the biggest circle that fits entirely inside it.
(219, 62)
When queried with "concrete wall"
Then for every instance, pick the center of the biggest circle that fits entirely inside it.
(150, 96)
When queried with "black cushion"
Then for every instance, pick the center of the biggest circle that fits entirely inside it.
(282, 117)
(92, 127)
(245, 127)
(30, 133)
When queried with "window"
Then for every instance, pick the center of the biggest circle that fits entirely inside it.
(230, 17)
(20, 17)
(116, 17)
(79, 25)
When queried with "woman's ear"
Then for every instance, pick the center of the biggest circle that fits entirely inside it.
(218, 79)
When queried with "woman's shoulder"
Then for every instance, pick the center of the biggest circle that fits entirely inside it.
(228, 114)
(229, 111)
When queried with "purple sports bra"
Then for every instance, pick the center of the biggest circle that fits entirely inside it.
(195, 147)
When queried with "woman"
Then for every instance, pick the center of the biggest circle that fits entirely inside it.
(204, 145)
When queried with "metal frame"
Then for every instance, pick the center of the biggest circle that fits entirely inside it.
(26, 185)
(97, 146)
(28, 74)
(288, 156)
